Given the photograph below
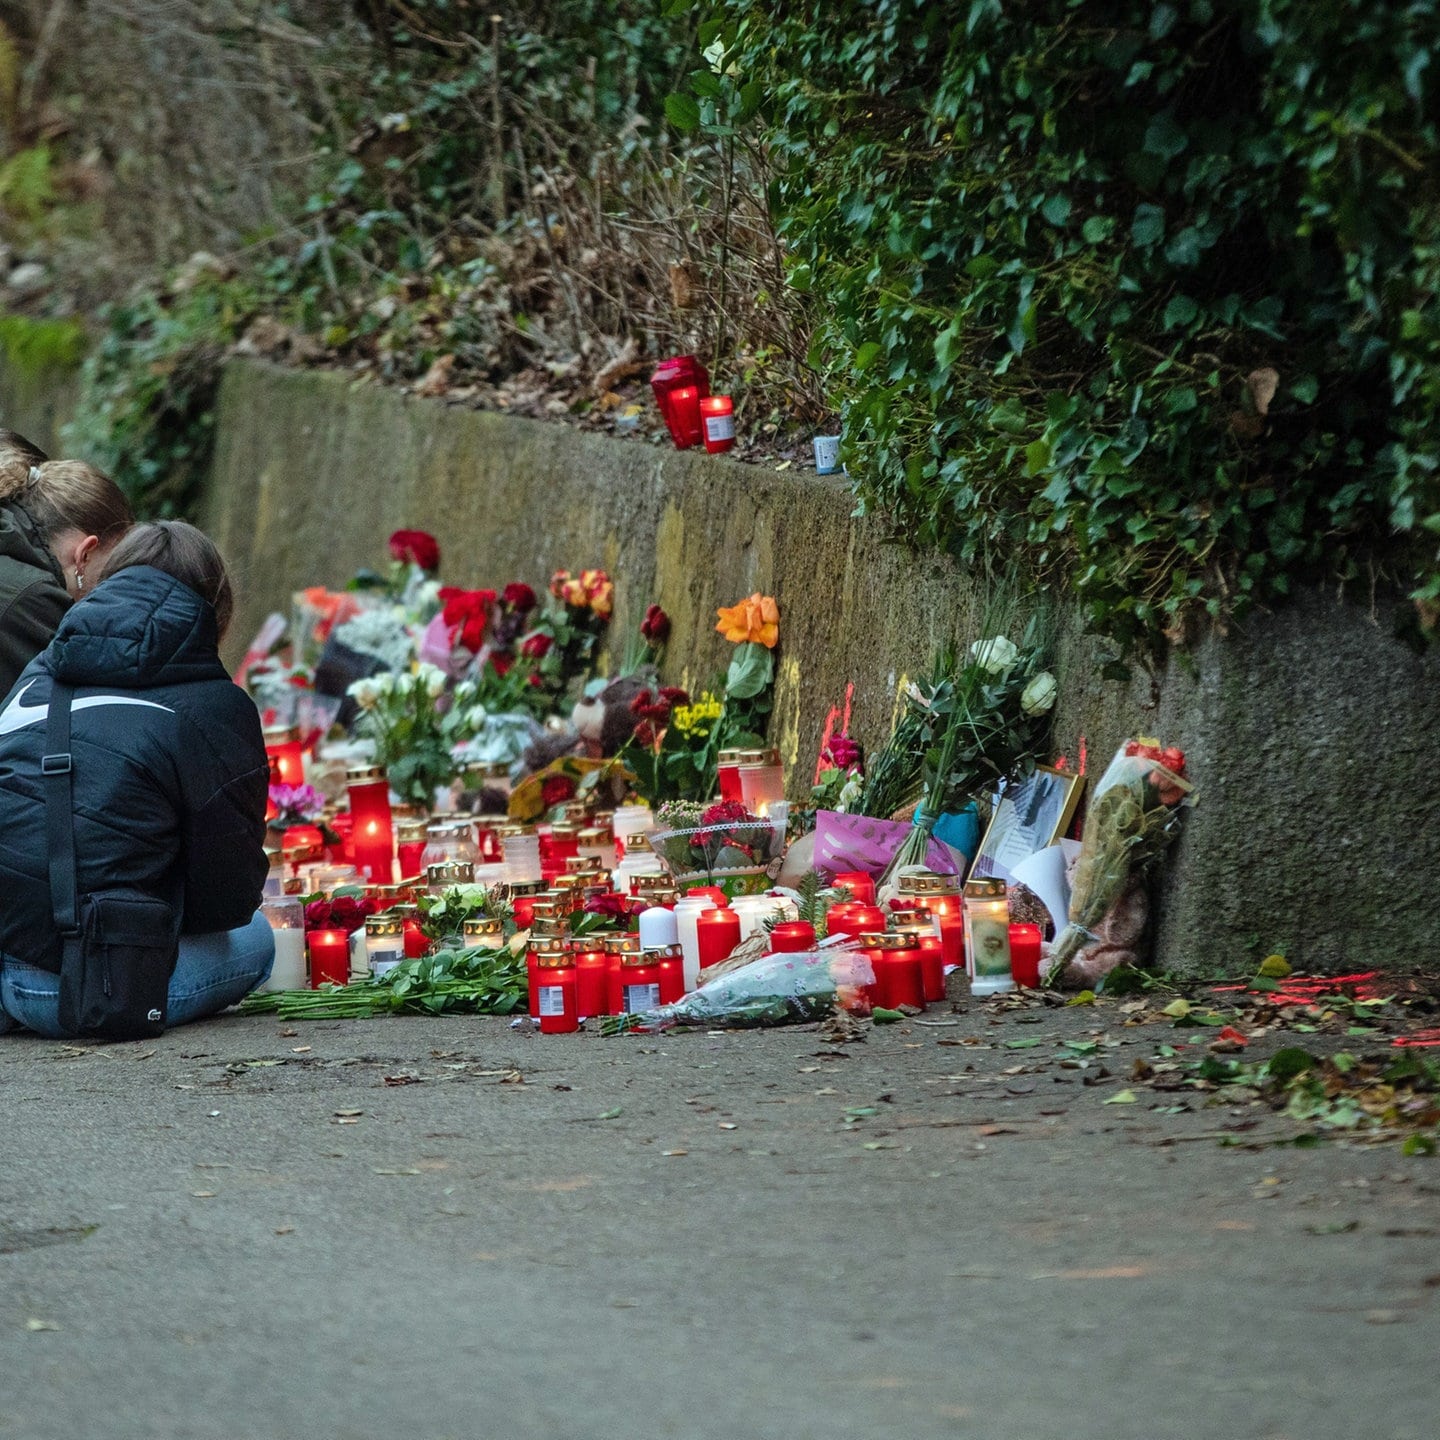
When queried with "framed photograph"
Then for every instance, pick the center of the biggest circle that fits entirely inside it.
(1029, 815)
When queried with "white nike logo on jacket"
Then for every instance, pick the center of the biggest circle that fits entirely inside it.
(17, 715)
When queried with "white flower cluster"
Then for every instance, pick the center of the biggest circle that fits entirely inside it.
(998, 656)
(429, 679)
(380, 632)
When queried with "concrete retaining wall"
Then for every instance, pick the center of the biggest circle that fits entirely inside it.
(1312, 735)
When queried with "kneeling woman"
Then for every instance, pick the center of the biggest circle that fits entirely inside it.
(170, 779)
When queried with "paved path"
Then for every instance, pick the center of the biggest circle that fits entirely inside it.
(253, 1230)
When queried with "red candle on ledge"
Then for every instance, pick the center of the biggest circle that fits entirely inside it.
(717, 415)
(592, 969)
(792, 937)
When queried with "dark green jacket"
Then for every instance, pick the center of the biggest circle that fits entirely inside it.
(32, 593)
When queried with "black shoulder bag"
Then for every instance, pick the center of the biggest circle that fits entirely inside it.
(119, 947)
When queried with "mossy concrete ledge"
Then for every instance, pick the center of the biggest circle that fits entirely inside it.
(1312, 734)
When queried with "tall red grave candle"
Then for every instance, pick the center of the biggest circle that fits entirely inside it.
(287, 755)
(592, 970)
(373, 834)
(856, 919)
(678, 384)
(329, 957)
(556, 1000)
(718, 933)
(952, 938)
(896, 960)
(671, 965)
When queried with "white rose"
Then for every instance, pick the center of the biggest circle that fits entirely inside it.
(476, 718)
(1039, 695)
(996, 655)
(432, 677)
(365, 693)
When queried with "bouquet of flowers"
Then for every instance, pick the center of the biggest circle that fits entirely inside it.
(789, 989)
(1135, 814)
(722, 845)
(975, 727)
(672, 751)
(416, 725)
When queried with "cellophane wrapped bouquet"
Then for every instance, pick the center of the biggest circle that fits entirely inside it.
(1135, 815)
(722, 844)
(783, 989)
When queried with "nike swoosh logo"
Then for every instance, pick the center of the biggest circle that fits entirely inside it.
(17, 715)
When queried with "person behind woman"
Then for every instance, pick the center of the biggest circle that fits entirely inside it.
(170, 778)
(59, 519)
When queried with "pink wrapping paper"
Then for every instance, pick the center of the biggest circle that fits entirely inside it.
(856, 842)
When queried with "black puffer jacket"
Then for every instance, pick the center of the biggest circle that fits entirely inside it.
(170, 770)
(32, 593)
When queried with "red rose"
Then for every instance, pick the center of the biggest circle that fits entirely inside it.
(674, 695)
(467, 613)
(556, 790)
(617, 907)
(536, 646)
(500, 662)
(417, 547)
(347, 913)
(644, 734)
(655, 627)
(317, 915)
(519, 596)
(537, 679)
(843, 751)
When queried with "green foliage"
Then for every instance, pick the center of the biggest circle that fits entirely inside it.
(27, 184)
(1143, 292)
(147, 391)
(32, 347)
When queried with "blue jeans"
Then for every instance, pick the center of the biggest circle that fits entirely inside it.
(213, 971)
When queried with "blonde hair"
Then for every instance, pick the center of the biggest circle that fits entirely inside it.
(60, 495)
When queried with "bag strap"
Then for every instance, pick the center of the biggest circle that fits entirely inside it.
(58, 769)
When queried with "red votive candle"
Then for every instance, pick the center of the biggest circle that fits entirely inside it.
(897, 970)
(932, 967)
(592, 969)
(555, 993)
(727, 775)
(524, 910)
(952, 937)
(717, 415)
(718, 933)
(373, 835)
(417, 942)
(341, 852)
(672, 976)
(860, 885)
(329, 957)
(639, 983)
(287, 762)
(792, 937)
(1025, 955)
(857, 919)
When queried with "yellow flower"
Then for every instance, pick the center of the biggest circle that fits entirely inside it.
(697, 719)
(756, 619)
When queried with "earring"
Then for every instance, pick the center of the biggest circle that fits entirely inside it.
(79, 580)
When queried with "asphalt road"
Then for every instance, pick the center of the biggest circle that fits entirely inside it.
(444, 1228)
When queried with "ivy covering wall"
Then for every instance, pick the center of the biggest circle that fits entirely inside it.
(1145, 292)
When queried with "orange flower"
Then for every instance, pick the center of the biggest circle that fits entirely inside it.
(602, 599)
(756, 619)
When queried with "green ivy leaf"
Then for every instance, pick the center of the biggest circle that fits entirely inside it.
(682, 112)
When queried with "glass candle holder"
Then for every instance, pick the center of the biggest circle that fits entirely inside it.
(987, 936)
(384, 943)
(727, 773)
(556, 992)
(898, 978)
(717, 934)
(482, 932)
(329, 957)
(522, 859)
(287, 922)
(1025, 955)
(373, 836)
(717, 417)
(287, 755)
(761, 786)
